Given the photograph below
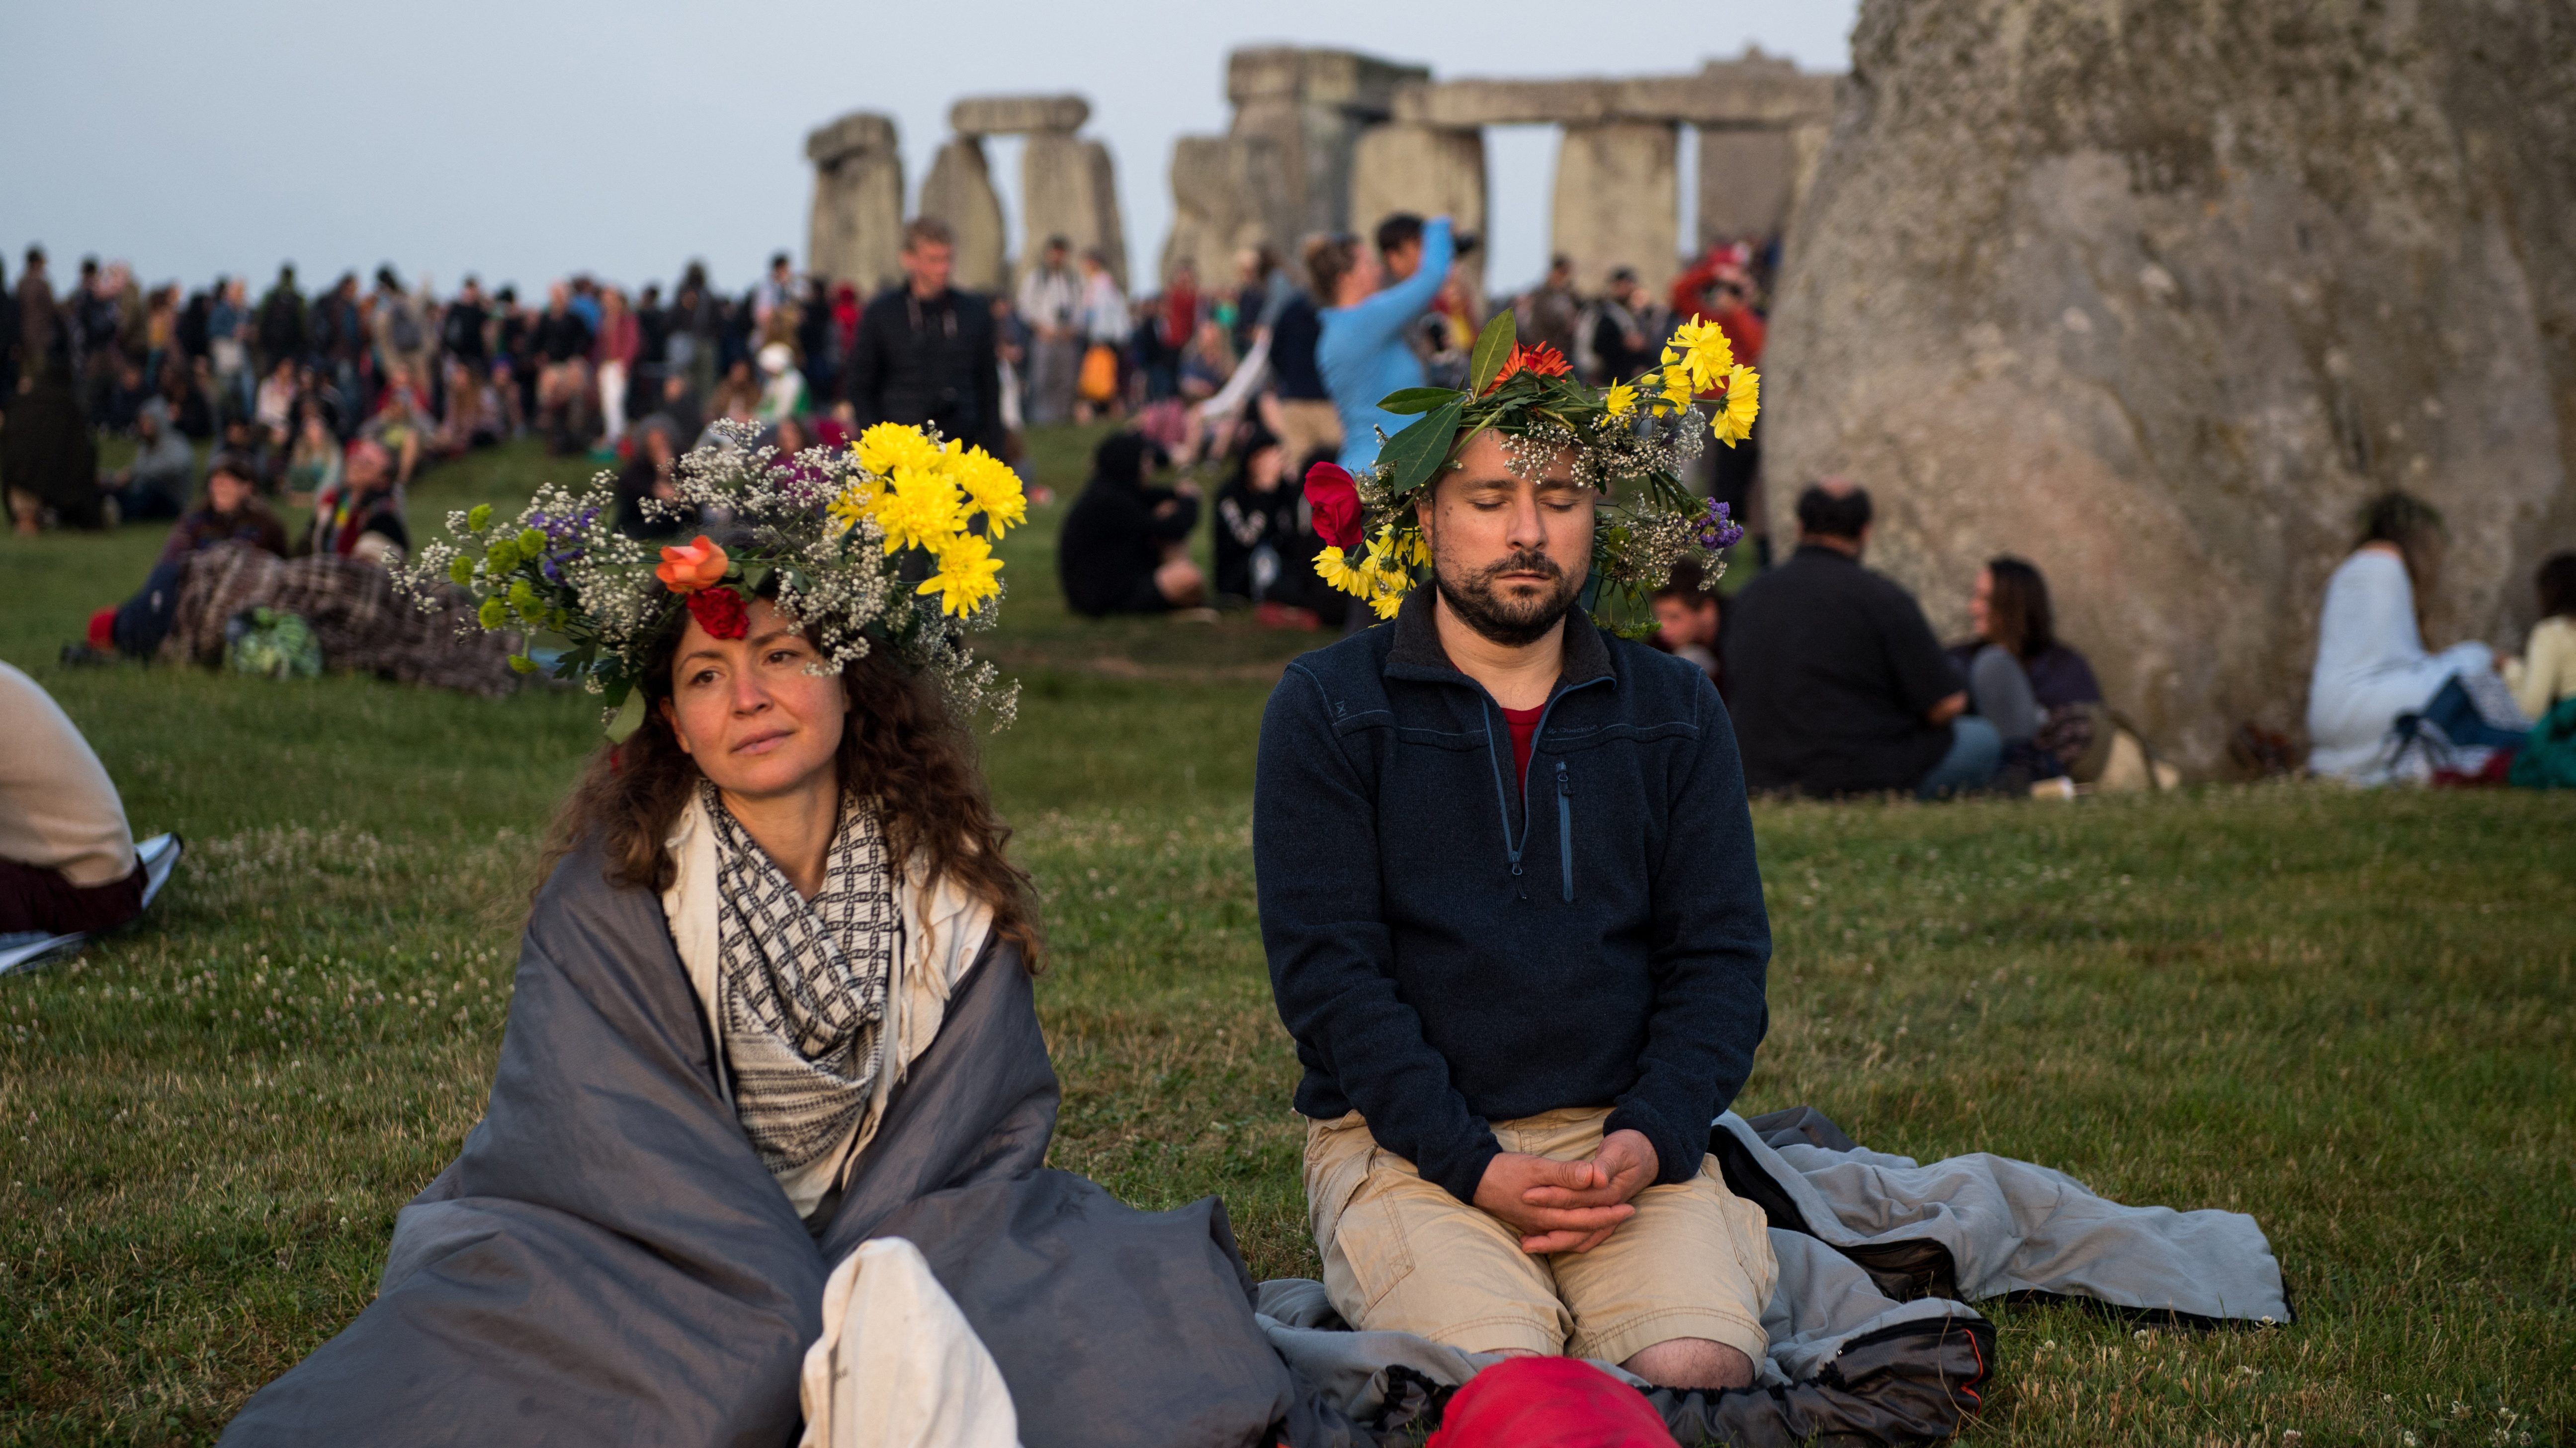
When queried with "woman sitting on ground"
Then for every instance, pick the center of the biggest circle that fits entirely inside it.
(2033, 689)
(2546, 672)
(229, 512)
(2372, 665)
(1125, 544)
(772, 1007)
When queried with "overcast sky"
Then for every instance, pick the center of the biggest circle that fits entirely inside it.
(525, 140)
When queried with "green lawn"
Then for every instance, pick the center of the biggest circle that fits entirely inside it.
(2348, 1015)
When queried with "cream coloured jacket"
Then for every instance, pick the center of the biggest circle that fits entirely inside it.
(943, 930)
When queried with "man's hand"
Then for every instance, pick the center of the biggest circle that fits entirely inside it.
(1568, 1206)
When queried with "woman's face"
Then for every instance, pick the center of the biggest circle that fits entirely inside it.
(1981, 601)
(747, 711)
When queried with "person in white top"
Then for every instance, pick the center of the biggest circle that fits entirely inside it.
(1051, 297)
(2372, 665)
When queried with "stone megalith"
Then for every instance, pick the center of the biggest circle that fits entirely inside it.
(1427, 170)
(854, 231)
(1225, 191)
(959, 191)
(1313, 105)
(1745, 182)
(2156, 296)
(1618, 201)
(1069, 188)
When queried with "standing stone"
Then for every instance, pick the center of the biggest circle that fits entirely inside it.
(1745, 182)
(1618, 201)
(855, 229)
(1427, 170)
(959, 191)
(1068, 188)
(1312, 105)
(2156, 296)
(1224, 195)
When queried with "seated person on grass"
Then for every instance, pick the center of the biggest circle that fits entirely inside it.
(1509, 898)
(1125, 547)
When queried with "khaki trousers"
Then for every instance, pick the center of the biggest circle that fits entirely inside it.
(1403, 1254)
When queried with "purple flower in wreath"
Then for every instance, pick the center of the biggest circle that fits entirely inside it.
(1717, 530)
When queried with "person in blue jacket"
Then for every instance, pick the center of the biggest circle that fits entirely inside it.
(1362, 351)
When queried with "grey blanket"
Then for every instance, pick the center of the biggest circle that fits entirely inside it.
(608, 1262)
(1872, 1340)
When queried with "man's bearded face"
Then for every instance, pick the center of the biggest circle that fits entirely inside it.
(1509, 553)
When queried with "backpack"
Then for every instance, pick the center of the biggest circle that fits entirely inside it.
(2547, 759)
(406, 329)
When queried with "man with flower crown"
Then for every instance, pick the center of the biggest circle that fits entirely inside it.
(1508, 887)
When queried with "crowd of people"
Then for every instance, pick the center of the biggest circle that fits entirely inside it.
(321, 410)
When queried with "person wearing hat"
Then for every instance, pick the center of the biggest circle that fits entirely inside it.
(782, 393)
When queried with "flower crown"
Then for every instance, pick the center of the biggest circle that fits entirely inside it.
(1630, 441)
(827, 533)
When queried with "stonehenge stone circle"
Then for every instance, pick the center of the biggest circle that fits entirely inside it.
(2157, 296)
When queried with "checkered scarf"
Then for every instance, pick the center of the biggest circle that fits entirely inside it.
(801, 985)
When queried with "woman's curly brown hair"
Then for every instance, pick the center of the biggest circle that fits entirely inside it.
(900, 746)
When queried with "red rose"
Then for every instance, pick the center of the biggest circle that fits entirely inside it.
(719, 612)
(1335, 500)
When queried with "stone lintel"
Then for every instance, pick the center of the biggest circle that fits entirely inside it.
(857, 132)
(1011, 115)
(1341, 78)
(1724, 94)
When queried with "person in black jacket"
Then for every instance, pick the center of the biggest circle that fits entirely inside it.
(924, 354)
(1125, 546)
(1509, 897)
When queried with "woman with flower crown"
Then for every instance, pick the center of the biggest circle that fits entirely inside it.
(773, 1087)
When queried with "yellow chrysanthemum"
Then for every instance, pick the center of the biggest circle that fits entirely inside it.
(1734, 421)
(919, 509)
(855, 503)
(1337, 572)
(1703, 348)
(1678, 391)
(1386, 604)
(1620, 400)
(991, 488)
(966, 576)
(890, 445)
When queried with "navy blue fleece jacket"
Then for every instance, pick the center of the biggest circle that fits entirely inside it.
(1450, 947)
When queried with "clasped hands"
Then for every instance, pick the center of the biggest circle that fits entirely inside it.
(1568, 1206)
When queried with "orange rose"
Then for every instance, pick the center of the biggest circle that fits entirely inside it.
(693, 566)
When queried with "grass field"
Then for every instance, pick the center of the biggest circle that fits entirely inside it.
(2347, 1015)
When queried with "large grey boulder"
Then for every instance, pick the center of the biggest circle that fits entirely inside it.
(2156, 294)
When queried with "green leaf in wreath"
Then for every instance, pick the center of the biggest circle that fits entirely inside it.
(1493, 349)
(1417, 452)
(1412, 400)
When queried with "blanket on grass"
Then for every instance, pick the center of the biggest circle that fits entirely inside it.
(362, 623)
(607, 1262)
